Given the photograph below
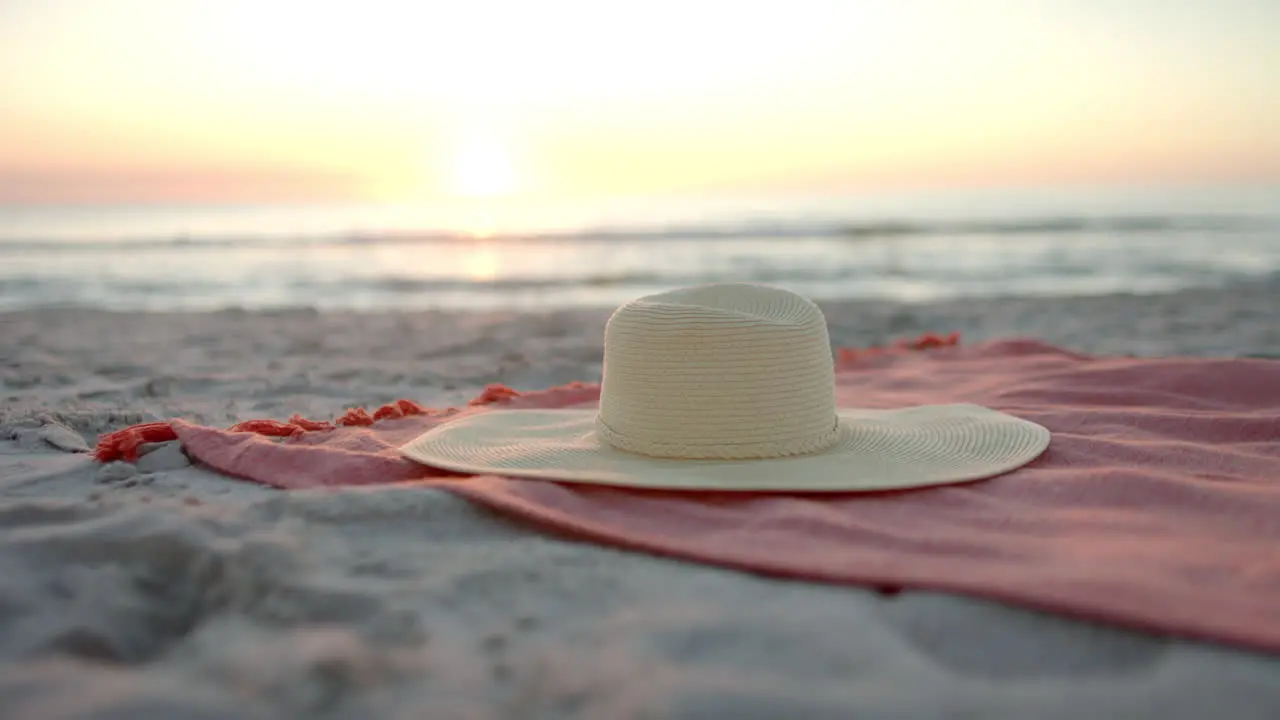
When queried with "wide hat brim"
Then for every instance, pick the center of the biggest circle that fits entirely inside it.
(876, 450)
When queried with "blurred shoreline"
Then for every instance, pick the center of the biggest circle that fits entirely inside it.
(1233, 320)
(910, 249)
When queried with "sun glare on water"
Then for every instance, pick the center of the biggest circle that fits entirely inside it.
(481, 263)
(482, 175)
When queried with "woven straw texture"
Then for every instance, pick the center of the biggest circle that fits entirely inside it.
(730, 387)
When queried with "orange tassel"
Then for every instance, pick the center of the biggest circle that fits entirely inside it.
(306, 424)
(355, 416)
(124, 444)
(270, 428)
(494, 393)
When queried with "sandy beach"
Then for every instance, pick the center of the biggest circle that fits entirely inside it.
(163, 590)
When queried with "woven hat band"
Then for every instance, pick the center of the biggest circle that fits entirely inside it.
(719, 450)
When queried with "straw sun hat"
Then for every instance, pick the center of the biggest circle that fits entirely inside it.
(730, 387)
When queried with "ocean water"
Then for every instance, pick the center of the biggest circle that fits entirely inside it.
(906, 247)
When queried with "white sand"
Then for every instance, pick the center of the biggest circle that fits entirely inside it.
(162, 590)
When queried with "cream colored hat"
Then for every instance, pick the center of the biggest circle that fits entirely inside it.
(730, 387)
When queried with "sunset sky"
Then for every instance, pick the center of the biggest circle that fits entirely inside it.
(275, 100)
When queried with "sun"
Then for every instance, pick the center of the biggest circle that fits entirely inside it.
(482, 168)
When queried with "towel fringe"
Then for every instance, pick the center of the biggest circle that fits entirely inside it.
(125, 444)
(927, 341)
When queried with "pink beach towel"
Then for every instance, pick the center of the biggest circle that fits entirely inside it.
(1156, 506)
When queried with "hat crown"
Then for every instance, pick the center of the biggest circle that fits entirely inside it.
(720, 371)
